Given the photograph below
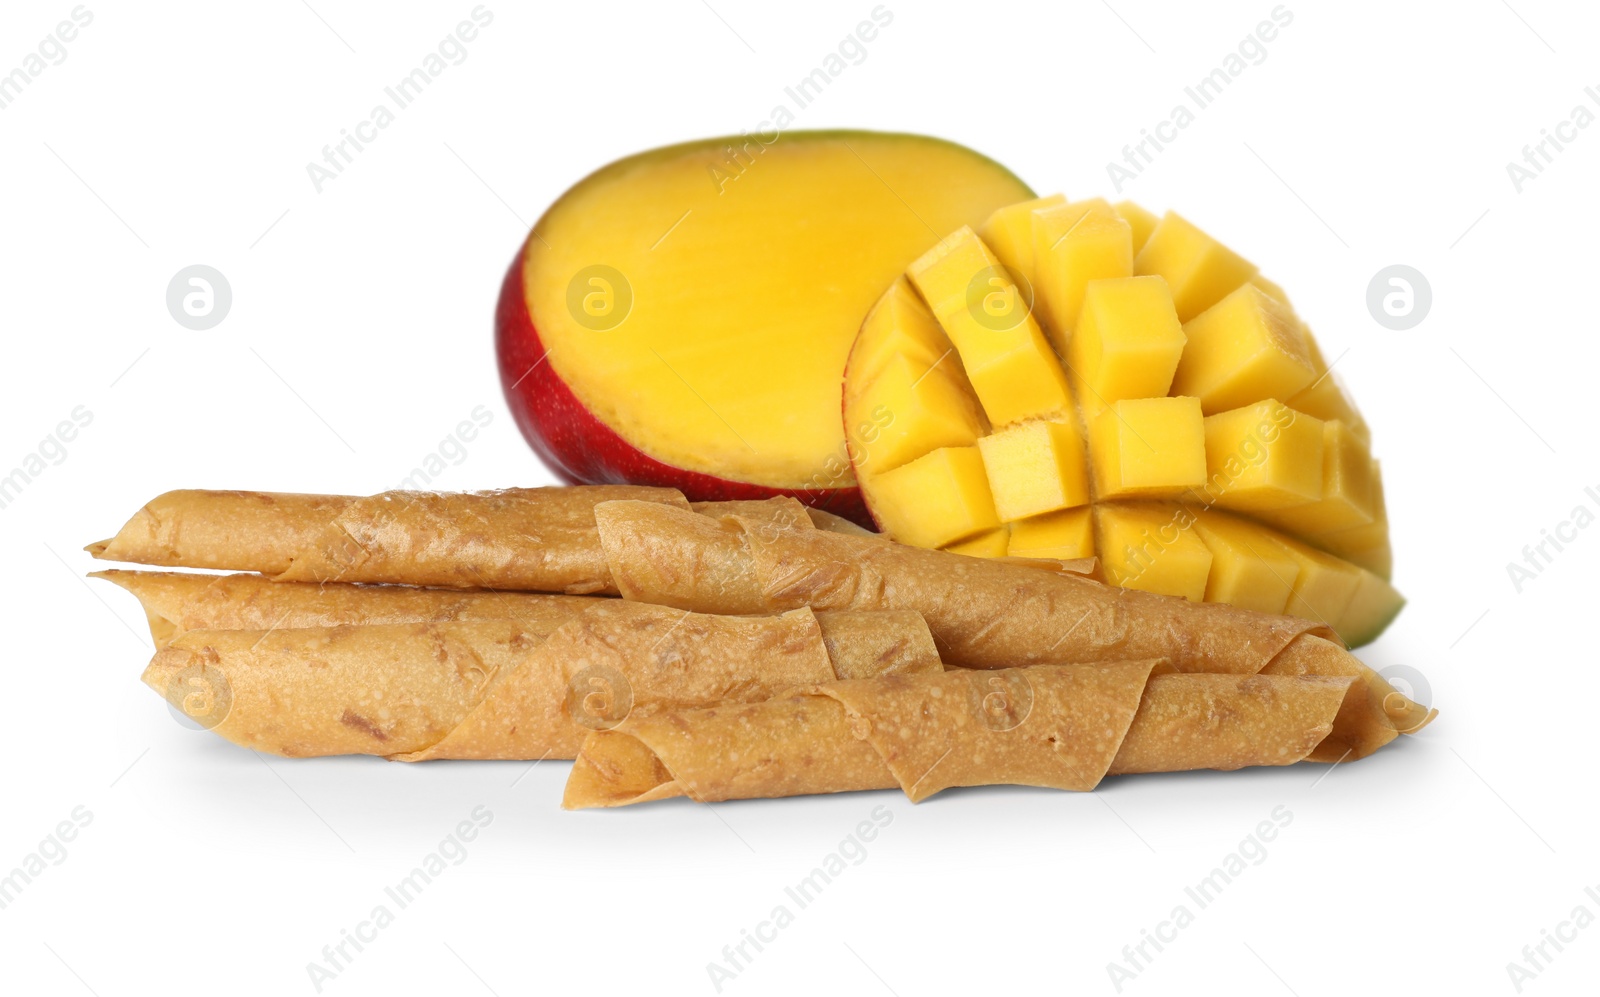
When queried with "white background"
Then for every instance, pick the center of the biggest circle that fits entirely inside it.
(360, 335)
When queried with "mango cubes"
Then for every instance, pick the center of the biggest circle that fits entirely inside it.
(1076, 379)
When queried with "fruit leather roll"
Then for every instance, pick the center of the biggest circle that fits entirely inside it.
(531, 539)
(493, 689)
(539, 539)
(1056, 726)
(984, 613)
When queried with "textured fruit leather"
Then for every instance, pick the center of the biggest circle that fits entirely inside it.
(1057, 726)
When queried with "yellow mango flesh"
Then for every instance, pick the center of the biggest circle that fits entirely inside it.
(917, 409)
(1200, 270)
(749, 269)
(1139, 476)
(1128, 341)
(1034, 468)
(1246, 348)
(1001, 346)
(1064, 535)
(938, 498)
(1346, 499)
(1248, 568)
(1074, 244)
(1264, 456)
(1140, 222)
(993, 543)
(1148, 447)
(1152, 548)
(1009, 232)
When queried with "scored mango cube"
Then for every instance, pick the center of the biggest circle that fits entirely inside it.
(1148, 447)
(1128, 341)
(1248, 567)
(1009, 232)
(1012, 370)
(993, 543)
(1034, 468)
(937, 499)
(1346, 499)
(1372, 608)
(1022, 382)
(1140, 222)
(1366, 545)
(1271, 287)
(1063, 536)
(1152, 548)
(1325, 585)
(1263, 456)
(1200, 270)
(898, 325)
(1246, 348)
(1072, 245)
(911, 410)
(945, 273)
(1327, 397)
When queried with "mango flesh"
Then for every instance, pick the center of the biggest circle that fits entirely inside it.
(1157, 428)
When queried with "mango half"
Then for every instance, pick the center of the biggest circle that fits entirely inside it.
(681, 317)
(1077, 379)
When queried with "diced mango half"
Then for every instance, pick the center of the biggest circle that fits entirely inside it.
(1064, 536)
(1009, 232)
(1246, 348)
(991, 543)
(1346, 500)
(1148, 447)
(939, 498)
(1200, 270)
(1160, 407)
(1074, 244)
(1263, 456)
(1153, 548)
(1140, 222)
(1034, 468)
(1128, 341)
(1248, 567)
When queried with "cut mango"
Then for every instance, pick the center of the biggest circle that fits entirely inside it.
(1200, 270)
(1263, 456)
(1009, 232)
(1148, 447)
(1128, 341)
(1140, 222)
(910, 410)
(899, 325)
(1248, 347)
(993, 543)
(1001, 346)
(1373, 607)
(1152, 548)
(1345, 502)
(1064, 535)
(1248, 567)
(1215, 458)
(1074, 244)
(694, 304)
(936, 499)
(1034, 468)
